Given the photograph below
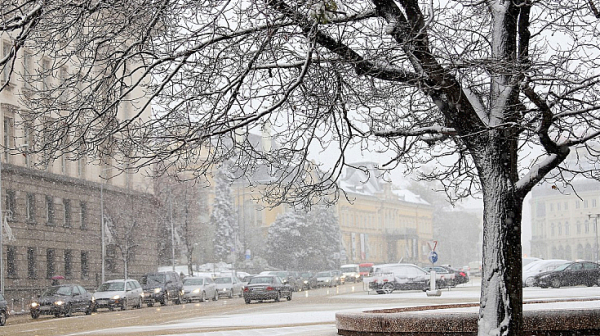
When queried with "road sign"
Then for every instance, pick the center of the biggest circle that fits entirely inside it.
(433, 257)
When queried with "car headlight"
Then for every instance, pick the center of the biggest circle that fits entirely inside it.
(116, 297)
(327, 280)
(157, 290)
(59, 303)
(34, 304)
(93, 299)
(224, 289)
(196, 291)
(305, 281)
(142, 294)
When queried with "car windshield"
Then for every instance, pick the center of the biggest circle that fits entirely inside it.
(348, 269)
(193, 282)
(306, 275)
(223, 280)
(258, 280)
(111, 287)
(323, 274)
(366, 269)
(152, 279)
(58, 291)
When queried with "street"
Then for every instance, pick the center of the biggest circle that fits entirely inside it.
(309, 313)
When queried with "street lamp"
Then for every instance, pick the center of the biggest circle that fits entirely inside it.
(596, 233)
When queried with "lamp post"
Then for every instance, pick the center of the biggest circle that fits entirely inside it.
(596, 235)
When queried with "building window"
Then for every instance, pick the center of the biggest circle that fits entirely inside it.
(31, 263)
(49, 210)
(552, 229)
(81, 167)
(577, 204)
(30, 208)
(578, 228)
(566, 205)
(585, 204)
(594, 203)
(11, 261)
(46, 74)
(559, 229)
(6, 48)
(551, 207)
(558, 206)
(587, 227)
(85, 270)
(83, 215)
(9, 204)
(566, 228)
(9, 135)
(27, 65)
(67, 212)
(110, 258)
(50, 263)
(68, 260)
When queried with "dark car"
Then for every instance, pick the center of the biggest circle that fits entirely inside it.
(3, 310)
(308, 280)
(162, 287)
(287, 277)
(62, 300)
(448, 276)
(267, 287)
(570, 274)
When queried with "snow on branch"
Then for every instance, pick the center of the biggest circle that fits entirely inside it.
(416, 132)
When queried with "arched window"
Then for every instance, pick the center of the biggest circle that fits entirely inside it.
(587, 226)
(589, 254)
(578, 227)
(580, 251)
(566, 228)
(552, 229)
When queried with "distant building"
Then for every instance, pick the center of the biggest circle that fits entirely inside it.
(564, 224)
(380, 223)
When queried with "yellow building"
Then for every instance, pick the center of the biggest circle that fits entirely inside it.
(381, 224)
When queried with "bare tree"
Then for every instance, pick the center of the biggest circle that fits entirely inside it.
(494, 92)
(123, 229)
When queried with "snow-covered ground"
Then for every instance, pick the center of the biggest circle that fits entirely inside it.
(322, 322)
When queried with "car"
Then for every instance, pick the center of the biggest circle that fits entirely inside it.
(199, 288)
(338, 277)
(286, 276)
(570, 274)
(537, 267)
(229, 286)
(308, 280)
(326, 279)
(119, 293)
(267, 287)
(60, 300)
(350, 272)
(390, 277)
(365, 269)
(444, 276)
(4, 312)
(162, 287)
(460, 277)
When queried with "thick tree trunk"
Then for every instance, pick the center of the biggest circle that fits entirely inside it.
(501, 287)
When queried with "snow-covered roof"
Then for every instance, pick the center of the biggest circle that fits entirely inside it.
(369, 182)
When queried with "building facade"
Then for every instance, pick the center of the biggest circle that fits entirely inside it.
(53, 211)
(382, 224)
(564, 224)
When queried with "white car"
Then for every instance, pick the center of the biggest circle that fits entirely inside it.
(118, 294)
(537, 267)
(199, 288)
(229, 286)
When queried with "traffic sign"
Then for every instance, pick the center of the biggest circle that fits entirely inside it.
(433, 257)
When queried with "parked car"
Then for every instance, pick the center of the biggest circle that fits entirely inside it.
(400, 277)
(537, 267)
(570, 274)
(460, 277)
(308, 280)
(62, 300)
(267, 287)
(350, 272)
(229, 286)
(118, 294)
(162, 287)
(326, 279)
(3, 310)
(246, 279)
(199, 288)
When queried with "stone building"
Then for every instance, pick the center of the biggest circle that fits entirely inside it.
(53, 212)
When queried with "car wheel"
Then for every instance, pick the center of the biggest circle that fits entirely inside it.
(2, 318)
(35, 314)
(289, 297)
(278, 297)
(150, 304)
(203, 297)
(529, 282)
(247, 301)
(139, 304)
(388, 287)
(125, 304)
(216, 297)
(555, 283)
(165, 299)
(69, 311)
(178, 300)
(230, 295)
(56, 314)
